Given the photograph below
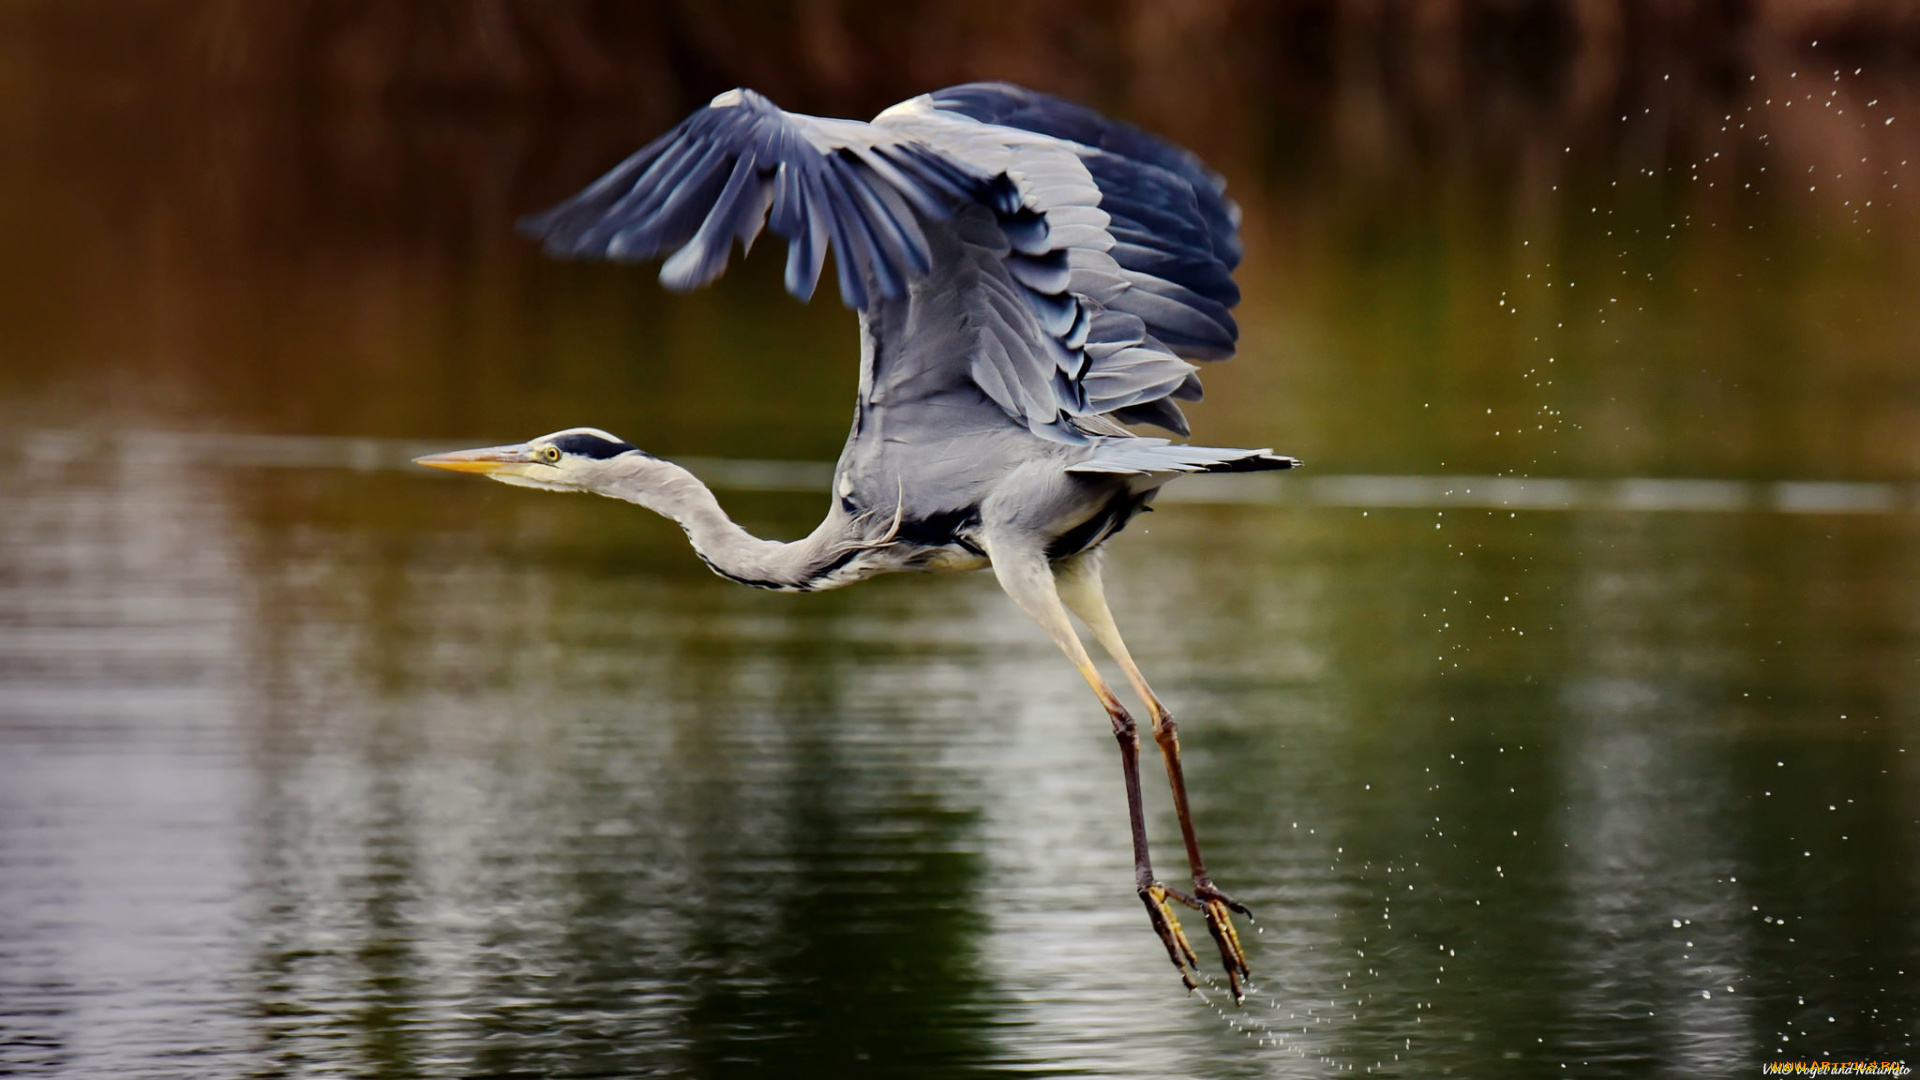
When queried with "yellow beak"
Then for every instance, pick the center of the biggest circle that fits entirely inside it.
(486, 461)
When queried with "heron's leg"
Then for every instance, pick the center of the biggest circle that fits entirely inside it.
(1028, 579)
(1078, 581)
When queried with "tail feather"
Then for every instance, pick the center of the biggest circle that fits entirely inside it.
(1146, 457)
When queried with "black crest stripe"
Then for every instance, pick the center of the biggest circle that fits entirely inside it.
(581, 444)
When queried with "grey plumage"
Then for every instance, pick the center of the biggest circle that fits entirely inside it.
(1030, 277)
(1099, 260)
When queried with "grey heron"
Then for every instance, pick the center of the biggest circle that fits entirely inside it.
(1031, 277)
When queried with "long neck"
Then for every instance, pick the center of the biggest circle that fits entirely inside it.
(732, 552)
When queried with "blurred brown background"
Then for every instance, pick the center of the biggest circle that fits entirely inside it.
(214, 193)
(1388, 84)
(650, 57)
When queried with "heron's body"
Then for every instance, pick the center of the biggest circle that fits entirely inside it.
(1031, 278)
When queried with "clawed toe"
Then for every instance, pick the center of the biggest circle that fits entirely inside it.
(1220, 908)
(1211, 892)
(1160, 913)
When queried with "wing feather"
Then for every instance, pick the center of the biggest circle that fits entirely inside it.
(1114, 250)
(1171, 231)
(742, 161)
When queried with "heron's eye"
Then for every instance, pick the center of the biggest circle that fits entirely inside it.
(551, 453)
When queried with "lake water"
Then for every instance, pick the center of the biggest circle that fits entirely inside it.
(1563, 717)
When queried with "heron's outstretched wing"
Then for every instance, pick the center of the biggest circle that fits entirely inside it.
(1122, 245)
(1168, 213)
(743, 163)
(1111, 257)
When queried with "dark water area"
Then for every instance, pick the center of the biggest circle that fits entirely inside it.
(312, 764)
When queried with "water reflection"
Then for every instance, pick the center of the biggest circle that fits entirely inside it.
(320, 769)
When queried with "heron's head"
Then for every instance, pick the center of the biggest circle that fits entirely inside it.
(577, 459)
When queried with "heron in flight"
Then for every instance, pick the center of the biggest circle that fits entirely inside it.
(1031, 278)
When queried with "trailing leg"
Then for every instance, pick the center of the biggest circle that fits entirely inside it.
(1028, 579)
(1078, 582)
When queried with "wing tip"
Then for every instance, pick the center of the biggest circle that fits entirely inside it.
(1261, 461)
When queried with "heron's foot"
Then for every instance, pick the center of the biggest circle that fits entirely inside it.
(1220, 909)
(1160, 913)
